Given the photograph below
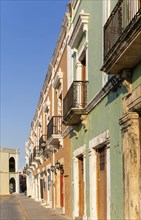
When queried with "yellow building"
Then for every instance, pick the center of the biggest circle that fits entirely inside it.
(9, 176)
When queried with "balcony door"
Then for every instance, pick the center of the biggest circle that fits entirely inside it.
(83, 73)
(101, 184)
(83, 79)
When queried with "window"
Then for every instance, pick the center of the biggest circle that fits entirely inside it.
(11, 164)
(102, 158)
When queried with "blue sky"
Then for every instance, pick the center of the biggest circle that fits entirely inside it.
(29, 32)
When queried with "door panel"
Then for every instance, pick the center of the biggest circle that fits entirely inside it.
(61, 189)
(41, 188)
(81, 186)
(102, 184)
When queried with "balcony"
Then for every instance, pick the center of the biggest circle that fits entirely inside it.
(75, 102)
(54, 130)
(36, 153)
(42, 141)
(122, 37)
(46, 153)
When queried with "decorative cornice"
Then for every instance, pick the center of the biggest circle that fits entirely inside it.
(61, 37)
(100, 140)
(128, 120)
(80, 28)
(67, 131)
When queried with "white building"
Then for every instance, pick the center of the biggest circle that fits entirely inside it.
(9, 175)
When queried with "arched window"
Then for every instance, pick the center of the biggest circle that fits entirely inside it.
(12, 185)
(11, 164)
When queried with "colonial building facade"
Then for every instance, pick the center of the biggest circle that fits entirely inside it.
(9, 174)
(83, 153)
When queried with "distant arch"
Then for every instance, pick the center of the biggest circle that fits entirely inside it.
(12, 185)
(11, 164)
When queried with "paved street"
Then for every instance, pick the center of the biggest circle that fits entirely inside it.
(10, 209)
(20, 207)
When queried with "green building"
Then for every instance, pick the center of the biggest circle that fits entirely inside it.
(102, 107)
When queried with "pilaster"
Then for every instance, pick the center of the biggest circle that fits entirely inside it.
(131, 160)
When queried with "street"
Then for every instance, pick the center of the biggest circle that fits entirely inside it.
(20, 207)
(10, 208)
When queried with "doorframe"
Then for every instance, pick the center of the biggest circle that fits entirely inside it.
(80, 151)
(99, 141)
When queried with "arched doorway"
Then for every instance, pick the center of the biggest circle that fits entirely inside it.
(12, 185)
(11, 164)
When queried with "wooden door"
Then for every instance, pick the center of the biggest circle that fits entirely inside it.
(61, 189)
(140, 148)
(139, 4)
(41, 188)
(81, 186)
(101, 184)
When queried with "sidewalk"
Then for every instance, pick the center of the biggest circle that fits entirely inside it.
(35, 211)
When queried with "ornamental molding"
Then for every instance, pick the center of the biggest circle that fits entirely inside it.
(79, 151)
(56, 82)
(132, 101)
(39, 122)
(46, 106)
(84, 122)
(100, 140)
(129, 119)
(67, 131)
(80, 28)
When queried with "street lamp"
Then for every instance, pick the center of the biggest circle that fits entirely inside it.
(57, 165)
(52, 168)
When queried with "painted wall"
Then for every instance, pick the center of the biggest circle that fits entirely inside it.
(106, 114)
(5, 175)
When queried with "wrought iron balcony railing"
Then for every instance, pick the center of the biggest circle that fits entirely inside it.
(75, 99)
(36, 152)
(118, 21)
(123, 24)
(54, 126)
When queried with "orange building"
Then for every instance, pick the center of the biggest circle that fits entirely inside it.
(48, 145)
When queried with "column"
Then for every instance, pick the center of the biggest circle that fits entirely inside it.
(39, 188)
(33, 186)
(131, 161)
(36, 189)
(78, 70)
(28, 185)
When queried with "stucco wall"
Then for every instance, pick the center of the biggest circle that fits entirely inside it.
(5, 175)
